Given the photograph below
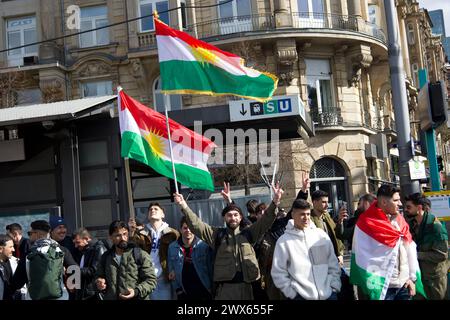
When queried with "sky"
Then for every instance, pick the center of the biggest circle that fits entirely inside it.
(439, 4)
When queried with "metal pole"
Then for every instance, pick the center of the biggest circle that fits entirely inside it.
(166, 98)
(430, 139)
(126, 164)
(399, 100)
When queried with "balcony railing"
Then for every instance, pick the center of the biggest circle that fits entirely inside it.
(266, 22)
(329, 118)
(231, 25)
(147, 39)
(300, 20)
(311, 20)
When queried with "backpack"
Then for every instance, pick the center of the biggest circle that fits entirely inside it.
(46, 273)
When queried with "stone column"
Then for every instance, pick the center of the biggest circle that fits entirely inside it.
(354, 10)
(192, 18)
(283, 19)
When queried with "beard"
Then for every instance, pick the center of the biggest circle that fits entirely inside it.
(232, 227)
(122, 245)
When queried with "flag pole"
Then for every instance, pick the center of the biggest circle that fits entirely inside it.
(166, 97)
(126, 164)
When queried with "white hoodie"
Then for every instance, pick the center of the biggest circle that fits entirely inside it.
(154, 252)
(304, 263)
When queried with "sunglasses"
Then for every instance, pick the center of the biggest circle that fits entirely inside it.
(31, 232)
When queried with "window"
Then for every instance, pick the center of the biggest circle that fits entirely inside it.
(183, 14)
(310, 9)
(415, 72)
(91, 18)
(318, 77)
(19, 32)
(28, 96)
(373, 13)
(97, 88)
(235, 15)
(410, 31)
(158, 98)
(147, 7)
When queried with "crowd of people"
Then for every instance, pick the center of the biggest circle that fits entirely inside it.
(266, 253)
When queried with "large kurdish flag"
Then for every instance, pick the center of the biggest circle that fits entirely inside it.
(145, 139)
(375, 250)
(189, 65)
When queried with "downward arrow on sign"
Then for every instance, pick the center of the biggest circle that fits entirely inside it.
(243, 111)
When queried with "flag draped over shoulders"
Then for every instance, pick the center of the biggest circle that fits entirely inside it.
(375, 249)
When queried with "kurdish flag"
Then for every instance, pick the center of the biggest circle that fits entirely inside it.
(145, 139)
(189, 65)
(375, 250)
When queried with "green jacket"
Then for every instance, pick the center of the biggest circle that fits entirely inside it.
(432, 246)
(235, 252)
(126, 275)
(331, 228)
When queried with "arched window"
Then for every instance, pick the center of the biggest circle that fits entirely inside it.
(328, 175)
(410, 35)
(175, 101)
(327, 168)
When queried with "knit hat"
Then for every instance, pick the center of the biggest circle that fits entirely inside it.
(56, 221)
(231, 207)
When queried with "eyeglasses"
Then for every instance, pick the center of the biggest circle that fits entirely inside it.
(31, 232)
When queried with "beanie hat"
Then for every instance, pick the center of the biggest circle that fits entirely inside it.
(56, 221)
(231, 207)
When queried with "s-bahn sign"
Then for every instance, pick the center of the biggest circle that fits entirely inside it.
(278, 106)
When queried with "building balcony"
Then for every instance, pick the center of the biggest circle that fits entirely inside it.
(328, 118)
(307, 22)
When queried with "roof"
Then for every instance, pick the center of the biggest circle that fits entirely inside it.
(52, 111)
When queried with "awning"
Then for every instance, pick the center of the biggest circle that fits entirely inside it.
(53, 111)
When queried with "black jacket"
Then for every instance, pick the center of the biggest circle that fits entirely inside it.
(279, 226)
(6, 275)
(22, 249)
(92, 255)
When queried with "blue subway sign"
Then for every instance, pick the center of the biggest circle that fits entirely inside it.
(279, 106)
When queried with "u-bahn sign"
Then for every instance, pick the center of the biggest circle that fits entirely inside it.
(278, 106)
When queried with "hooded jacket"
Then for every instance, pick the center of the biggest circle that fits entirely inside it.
(304, 263)
(127, 274)
(157, 244)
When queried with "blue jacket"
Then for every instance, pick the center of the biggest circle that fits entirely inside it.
(202, 257)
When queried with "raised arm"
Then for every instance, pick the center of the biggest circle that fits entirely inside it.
(261, 226)
(226, 193)
(202, 230)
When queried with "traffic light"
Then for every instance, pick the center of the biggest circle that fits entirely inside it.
(438, 103)
(432, 105)
(440, 163)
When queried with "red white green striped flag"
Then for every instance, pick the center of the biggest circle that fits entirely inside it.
(191, 66)
(375, 250)
(145, 139)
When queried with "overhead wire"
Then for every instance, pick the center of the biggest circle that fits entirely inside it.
(112, 25)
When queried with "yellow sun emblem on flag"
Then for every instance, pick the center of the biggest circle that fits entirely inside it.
(204, 55)
(156, 142)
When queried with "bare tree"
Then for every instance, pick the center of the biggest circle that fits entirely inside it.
(10, 83)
